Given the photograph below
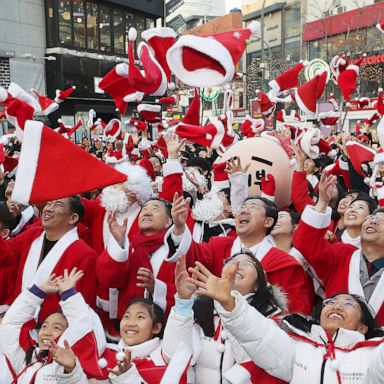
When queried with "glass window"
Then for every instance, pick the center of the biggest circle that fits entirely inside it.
(119, 31)
(292, 50)
(50, 24)
(105, 29)
(65, 22)
(79, 37)
(292, 21)
(139, 24)
(92, 26)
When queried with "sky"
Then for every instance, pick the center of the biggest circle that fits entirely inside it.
(229, 4)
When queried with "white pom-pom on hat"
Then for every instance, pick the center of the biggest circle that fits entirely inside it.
(120, 356)
(380, 90)
(222, 117)
(208, 136)
(223, 335)
(171, 86)
(304, 62)
(365, 55)
(220, 348)
(343, 62)
(132, 34)
(292, 162)
(102, 363)
(254, 27)
(60, 121)
(236, 35)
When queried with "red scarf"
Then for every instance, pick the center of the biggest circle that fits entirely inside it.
(141, 251)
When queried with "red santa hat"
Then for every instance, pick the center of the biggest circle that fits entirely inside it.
(152, 81)
(208, 61)
(307, 94)
(325, 147)
(192, 116)
(380, 102)
(47, 105)
(338, 65)
(18, 113)
(250, 127)
(10, 165)
(380, 27)
(332, 100)
(267, 107)
(372, 119)
(42, 175)
(359, 154)
(220, 177)
(169, 125)
(139, 124)
(98, 124)
(113, 130)
(358, 128)
(167, 100)
(379, 158)
(67, 130)
(160, 40)
(62, 95)
(364, 102)
(287, 80)
(214, 135)
(147, 165)
(16, 92)
(284, 118)
(117, 85)
(347, 80)
(115, 157)
(329, 117)
(149, 112)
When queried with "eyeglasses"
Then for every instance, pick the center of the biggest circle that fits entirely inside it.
(347, 303)
(252, 206)
(378, 218)
(242, 263)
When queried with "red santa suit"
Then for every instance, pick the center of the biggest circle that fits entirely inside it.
(24, 252)
(339, 266)
(109, 299)
(281, 269)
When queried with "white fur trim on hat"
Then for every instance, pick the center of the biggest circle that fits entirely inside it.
(220, 131)
(132, 34)
(28, 161)
(148, 107)
(309, 141)
(354, 67)
(379, 158)
(158, 32)
(254, 27)
(202, 77)
(122, 69)
(135, 96)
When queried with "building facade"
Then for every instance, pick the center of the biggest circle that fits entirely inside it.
(50, 44)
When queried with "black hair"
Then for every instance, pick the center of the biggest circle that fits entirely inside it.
(157, 157)
(362, 196)
(76, 206)
(378, 210)
(7, 221)
(154, 310)
(295, 217)
(227, 193)
(367, 318)
(263, 299)
(271, 210)
(166, 203)
(199, 162)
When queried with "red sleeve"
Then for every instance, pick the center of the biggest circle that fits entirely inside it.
(110, 272)
(87, 284)
(90, 211)
(320, 254)
(172, 183)
(10, 250)
(299, 191)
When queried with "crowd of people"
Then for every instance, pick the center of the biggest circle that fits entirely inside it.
(177, 274)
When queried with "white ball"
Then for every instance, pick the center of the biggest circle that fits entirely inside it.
(120, 356)
(102, 363)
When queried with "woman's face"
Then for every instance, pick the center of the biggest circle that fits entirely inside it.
(52, 328)
(309, 166)
(342, 311)
(344, 203)
(356, 213)
(283, 225)
(246, 276)
(137, 325)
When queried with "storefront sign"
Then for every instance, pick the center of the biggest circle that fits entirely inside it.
(173, 5)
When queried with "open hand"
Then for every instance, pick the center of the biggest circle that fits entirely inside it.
(118, 231)
(50, 285)
(69, 280)
(122, 366)
(184, 287)
(63, 356)
(146, 280)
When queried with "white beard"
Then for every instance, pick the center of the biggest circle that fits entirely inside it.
(208, 209)
(114, 200)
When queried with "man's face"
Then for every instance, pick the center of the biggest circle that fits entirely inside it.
(153, 218)
(251, 218)
(372, 230)
(57, 215)
(98, 144)
(85, 142)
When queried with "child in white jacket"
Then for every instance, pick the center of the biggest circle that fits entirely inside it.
(341, 348)
(26, 348)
